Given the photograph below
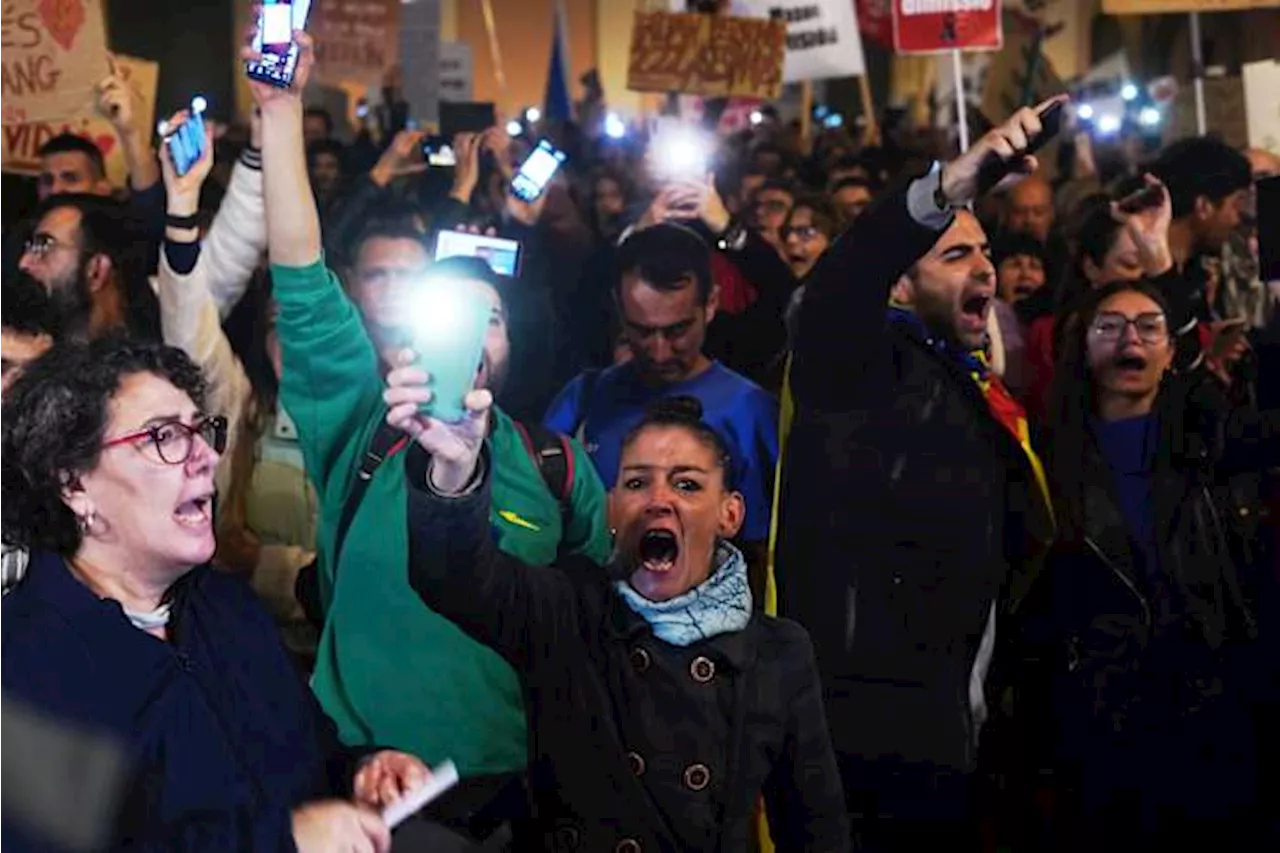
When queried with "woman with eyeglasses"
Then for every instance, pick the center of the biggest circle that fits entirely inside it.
(1152, 636)
(121, 629)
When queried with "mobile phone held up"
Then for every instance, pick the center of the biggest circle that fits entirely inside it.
(186, 143)
(537, 171)
(448, 321)
(994, 170)
(274, 42)
(502, 255)
(437, 151)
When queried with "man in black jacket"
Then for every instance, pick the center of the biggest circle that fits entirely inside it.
(910, 491)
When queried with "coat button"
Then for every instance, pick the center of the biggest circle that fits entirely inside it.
(627, 845)
(636, 762)
(696, 777)
(702, 669)
(640, 658)
(567, 837)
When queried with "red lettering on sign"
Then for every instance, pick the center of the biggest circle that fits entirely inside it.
(30, 75)
(20, 31)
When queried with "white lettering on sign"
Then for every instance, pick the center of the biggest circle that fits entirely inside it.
(942, 7)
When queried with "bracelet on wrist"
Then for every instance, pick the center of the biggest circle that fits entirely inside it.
(174, 221)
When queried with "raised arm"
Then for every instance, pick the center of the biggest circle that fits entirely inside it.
(238, 236)
(454, 566)
(841, 323)
(330, 381)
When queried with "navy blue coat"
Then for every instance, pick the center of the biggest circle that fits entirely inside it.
(222, 736)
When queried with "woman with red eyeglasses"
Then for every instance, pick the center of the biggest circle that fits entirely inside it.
(120, 629)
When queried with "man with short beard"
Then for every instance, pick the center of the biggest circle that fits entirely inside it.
(85, 251)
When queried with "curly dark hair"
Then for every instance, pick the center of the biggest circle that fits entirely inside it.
(54, 418)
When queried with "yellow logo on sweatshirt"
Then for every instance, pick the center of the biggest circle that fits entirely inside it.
(508, 515)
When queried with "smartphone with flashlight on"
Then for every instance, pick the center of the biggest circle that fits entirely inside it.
(536, 171)
(186, 143)
(679, 152)
(449, 321)
(274, 42)
(502, 255)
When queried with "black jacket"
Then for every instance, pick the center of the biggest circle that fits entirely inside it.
(636, 744)
(1155, 668)
(902, 520)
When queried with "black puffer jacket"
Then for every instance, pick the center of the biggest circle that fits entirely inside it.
(903, 516)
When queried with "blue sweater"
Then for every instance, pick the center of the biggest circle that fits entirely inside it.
(222, 736)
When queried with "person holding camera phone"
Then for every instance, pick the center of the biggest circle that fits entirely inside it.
(388, 670)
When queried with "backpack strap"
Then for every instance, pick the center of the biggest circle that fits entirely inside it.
(387, 441)
(553, 456)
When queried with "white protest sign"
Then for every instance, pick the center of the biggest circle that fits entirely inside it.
(456, 71)
(1262, 103)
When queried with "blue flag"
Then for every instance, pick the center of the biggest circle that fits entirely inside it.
(557, 104)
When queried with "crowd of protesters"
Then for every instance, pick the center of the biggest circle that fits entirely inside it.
(817, 500)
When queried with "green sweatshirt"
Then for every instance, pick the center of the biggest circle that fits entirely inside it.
(389, 671)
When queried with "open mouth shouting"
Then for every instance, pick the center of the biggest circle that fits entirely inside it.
(973, 311)
(658, 550)
(196, 513)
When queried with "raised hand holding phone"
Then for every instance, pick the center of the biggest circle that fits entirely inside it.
(1146, 215)
(185, 136)
(454, 447)
(268, 93)
(1006, 148)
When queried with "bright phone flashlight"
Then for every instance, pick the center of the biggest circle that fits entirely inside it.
(1085, 112)
(833, 121)
(681, 152)
(757, 117)
(438, 310)
(614, 127)
(1149, 117)
(532, 115)
(514, 128)
(199, 104)
(1108, 123)
(1128, 91)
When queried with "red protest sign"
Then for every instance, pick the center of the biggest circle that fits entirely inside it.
(934, 26)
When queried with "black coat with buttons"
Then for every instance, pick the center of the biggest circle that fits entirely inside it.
(635, 744)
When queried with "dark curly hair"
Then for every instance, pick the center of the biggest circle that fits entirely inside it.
(685, 412)
(54, 418)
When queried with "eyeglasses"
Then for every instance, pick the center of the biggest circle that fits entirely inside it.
(804, 234)
(41, 244)
(1111, 327)
(173, 440)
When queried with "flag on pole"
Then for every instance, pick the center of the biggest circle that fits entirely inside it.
(557, 104)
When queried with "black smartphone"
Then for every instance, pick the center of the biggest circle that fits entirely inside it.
(994, 170)
(1149, 196)
(1268, 190)
(274, 41)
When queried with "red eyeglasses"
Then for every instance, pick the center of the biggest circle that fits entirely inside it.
(174, 440)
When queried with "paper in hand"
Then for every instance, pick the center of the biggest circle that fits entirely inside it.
(442, 779)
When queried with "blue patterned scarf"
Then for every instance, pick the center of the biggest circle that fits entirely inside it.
(719, 605)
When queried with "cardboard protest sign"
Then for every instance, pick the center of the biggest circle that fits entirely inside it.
(932, 26)
(355, 39)
(710, 55)
(22, 141)
(1158, 7)
(55, 52)
(822, 36)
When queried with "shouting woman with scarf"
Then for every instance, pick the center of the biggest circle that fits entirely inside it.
(660, 704)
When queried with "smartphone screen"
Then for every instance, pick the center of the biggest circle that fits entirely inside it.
(537, 171)
(502, 255)
(274, 41)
